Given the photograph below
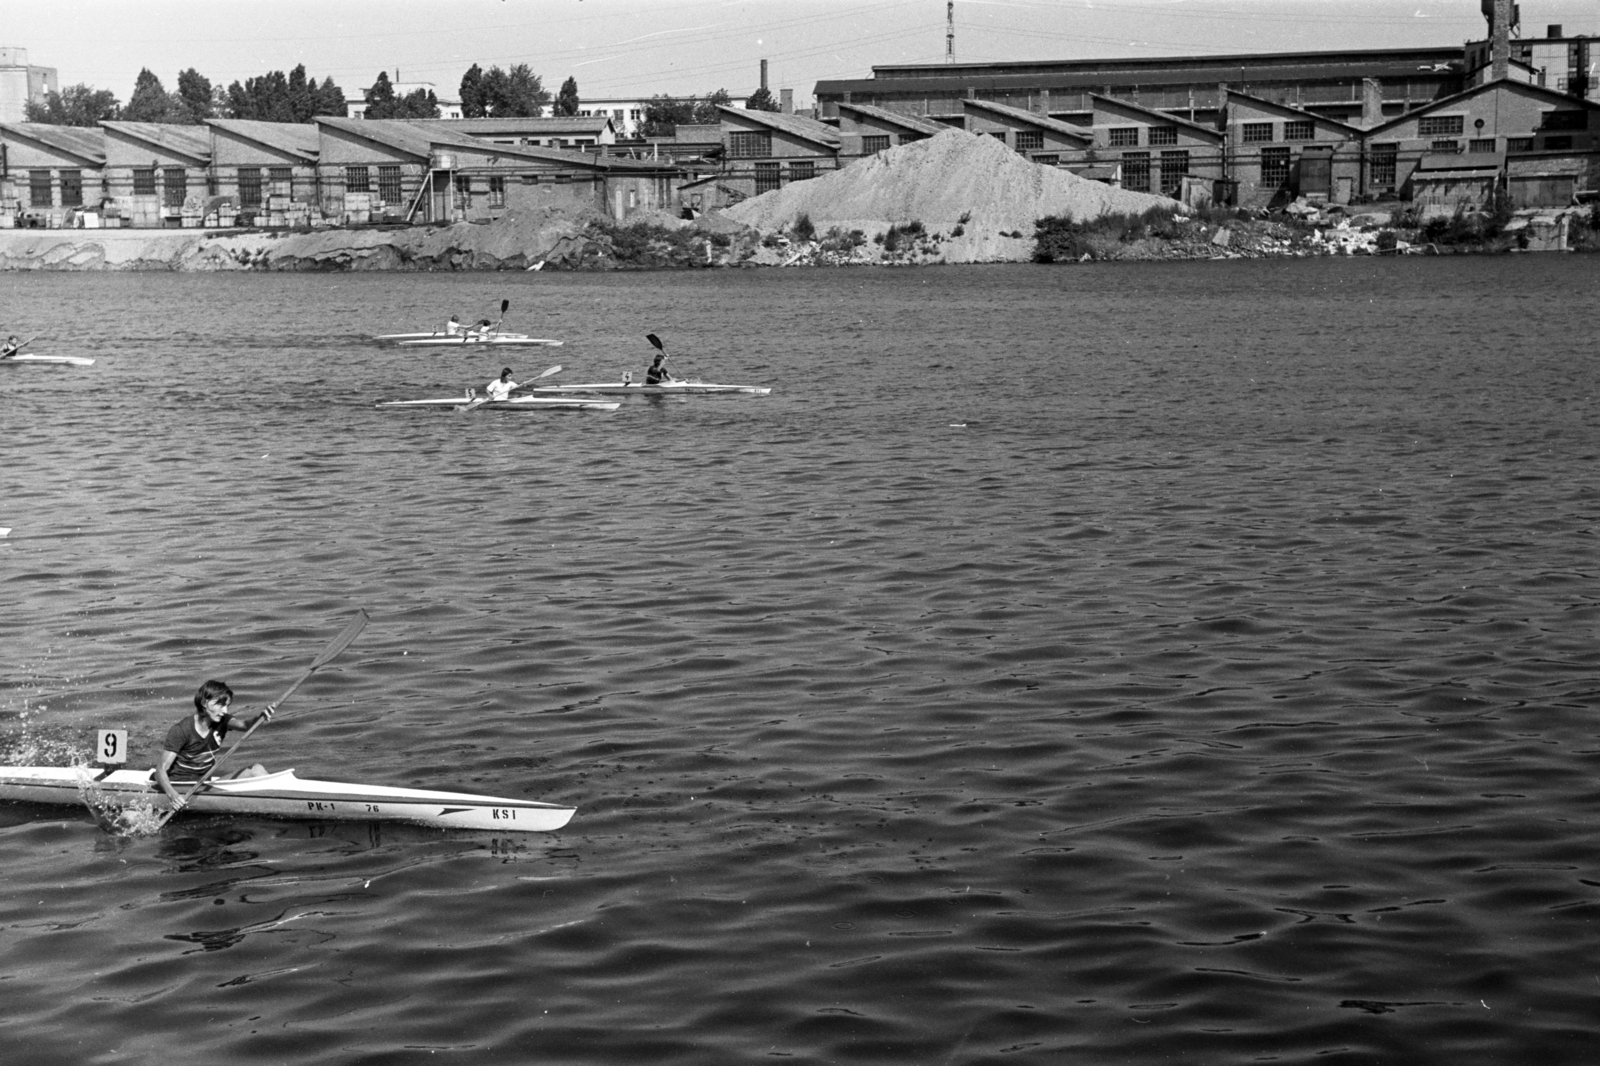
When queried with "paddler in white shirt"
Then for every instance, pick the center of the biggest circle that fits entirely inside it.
(500, 388)
(452, 328)
(483, 329)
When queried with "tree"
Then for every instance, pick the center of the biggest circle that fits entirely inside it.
(514, 93)
(380, 98)
(472, 93)
(567, 98)
(194, 89)
(298, 92)
(761, 100)
(664, 114)
(151, 102)
(76, 105)
(329, 100)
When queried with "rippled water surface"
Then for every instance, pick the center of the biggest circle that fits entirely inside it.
(1166, 664)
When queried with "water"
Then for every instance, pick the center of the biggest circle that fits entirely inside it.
(1183, 663)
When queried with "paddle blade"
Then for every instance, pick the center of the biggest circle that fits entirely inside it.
(553, 370)
(655, 341)
(343, 640)
(504, 306)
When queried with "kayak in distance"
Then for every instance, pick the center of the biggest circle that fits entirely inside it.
(283, 795)
(517, 403)
(665, 388)
(49, 360)
(495, 340)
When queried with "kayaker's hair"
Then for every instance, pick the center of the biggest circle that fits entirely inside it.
(506, 371)
(209, 691)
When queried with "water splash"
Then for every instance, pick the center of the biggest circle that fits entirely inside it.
(138, 818)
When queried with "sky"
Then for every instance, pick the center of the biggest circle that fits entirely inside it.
(616, 48)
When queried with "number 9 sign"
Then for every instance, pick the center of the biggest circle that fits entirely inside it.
(111, 746)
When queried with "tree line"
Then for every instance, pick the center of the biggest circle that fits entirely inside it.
(298, 97)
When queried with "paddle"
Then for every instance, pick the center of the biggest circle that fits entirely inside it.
(473, 405)
(345, 638)
(18, 349)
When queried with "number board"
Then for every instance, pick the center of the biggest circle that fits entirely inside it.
(111, 746)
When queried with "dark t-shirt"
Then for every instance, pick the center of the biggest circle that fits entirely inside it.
(196, 754)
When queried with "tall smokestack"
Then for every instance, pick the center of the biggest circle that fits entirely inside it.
(1502, 16)
(763, 73)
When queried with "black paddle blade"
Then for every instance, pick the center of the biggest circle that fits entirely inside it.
(504, 304)
(655, 341)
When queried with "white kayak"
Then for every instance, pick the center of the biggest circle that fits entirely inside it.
(395, 338)
(501, 340)
(517, 403)
(283, 795)
(639, 388)
(51, 360)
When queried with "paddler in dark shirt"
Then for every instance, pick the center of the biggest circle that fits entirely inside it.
(10, 347)
(658, 371)
(190, 749)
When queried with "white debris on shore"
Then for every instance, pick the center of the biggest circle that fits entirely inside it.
(979, 196)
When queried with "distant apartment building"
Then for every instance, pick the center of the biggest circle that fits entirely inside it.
(625, 112)
(21, 83)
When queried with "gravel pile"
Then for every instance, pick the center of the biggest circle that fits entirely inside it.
(949, 182)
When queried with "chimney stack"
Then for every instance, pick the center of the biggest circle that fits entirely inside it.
(1371, 103)
(1499, 39)
(763, 73)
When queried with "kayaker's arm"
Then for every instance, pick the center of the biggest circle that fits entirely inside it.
(164, 782)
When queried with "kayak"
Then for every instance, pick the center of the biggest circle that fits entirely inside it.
(519, 403)
(395, 338)
(639, 388)
(283, 795)
(54, 360)
(502, 340)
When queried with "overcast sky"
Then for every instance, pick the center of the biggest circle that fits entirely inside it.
(691, 47)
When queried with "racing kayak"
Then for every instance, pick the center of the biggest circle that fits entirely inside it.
(501, 340)
(283, 795)
(518, 403)
(639, 388)
(396, 338)
(54, 360)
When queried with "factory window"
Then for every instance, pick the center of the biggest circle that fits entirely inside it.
(249, 186)
(1481, 144)
(745, 144)
(999, 135)
(907, 138)
(1047, 160)
(1440, 126)
(1445, 147)
(497, 192)
(39, 191)
(1163, 135)
(1558, 144)
(389, 184)
(1030, 140)
(766, 177)
(1136, 171)
(1519, 144)
(175, 184)
(633, 115)
(72, 188)
(282, 179)
(1564, 120)
(802, 171)
(463, 191)
(873, 145)
(356, 179)
(1299, 129)
(144, 181)
(1256, 132)
(1383, 166)
(1174, 165)
(1274, 167)
(1124, 136)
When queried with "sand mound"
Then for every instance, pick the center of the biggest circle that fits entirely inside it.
(953, 178)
